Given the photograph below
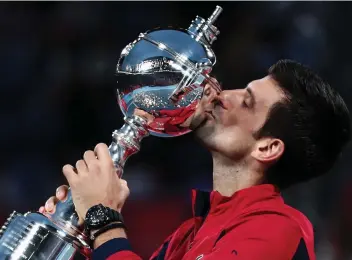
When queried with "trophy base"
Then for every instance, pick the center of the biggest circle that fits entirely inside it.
(33, 236)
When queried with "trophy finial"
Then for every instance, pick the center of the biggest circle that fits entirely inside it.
(204, 30)
(214, 16)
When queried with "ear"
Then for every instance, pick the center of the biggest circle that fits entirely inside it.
(268, 150)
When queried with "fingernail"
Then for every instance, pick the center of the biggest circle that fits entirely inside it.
(58, 193)
(49, 205)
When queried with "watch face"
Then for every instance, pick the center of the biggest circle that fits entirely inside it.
(97, 216)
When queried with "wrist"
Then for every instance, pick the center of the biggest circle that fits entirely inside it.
(94, 233)
(108, 235)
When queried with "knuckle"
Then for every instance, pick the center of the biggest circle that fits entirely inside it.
(100, 146)
(87, 153)
(66, 168)
(80, 164)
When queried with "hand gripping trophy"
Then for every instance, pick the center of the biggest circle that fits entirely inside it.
(161, 76)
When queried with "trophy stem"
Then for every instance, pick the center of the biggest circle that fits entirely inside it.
(126, 141)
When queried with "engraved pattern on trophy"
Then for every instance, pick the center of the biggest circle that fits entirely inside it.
(161, 77)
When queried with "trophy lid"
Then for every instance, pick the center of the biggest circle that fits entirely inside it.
(191, 47)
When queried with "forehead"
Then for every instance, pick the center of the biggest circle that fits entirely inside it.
(266, 91)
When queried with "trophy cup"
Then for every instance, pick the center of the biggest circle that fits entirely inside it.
(161, 74)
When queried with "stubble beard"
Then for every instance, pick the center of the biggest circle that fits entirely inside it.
(203, 134)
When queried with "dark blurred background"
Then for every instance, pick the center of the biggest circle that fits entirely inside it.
(57, 92)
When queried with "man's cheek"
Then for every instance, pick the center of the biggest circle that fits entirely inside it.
(226, 120)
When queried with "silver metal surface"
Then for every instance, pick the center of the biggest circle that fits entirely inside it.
(126, 141)
(32, 237)
(161, 77)
(164, 71)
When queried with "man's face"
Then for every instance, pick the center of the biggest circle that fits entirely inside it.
(225, 121)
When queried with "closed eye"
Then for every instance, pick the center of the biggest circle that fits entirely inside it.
(244, 103)
(248, 100)
(251, 97)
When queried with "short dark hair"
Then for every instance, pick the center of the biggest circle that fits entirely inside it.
(312, 120)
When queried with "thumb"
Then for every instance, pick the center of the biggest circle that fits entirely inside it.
(80, 221)
(124, 193)
(124, 188)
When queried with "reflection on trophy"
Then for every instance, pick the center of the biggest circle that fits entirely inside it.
(161, 76)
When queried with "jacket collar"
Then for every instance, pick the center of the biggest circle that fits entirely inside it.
(214, 203)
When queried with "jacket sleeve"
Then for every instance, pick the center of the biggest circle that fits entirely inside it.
(259, 237)
(118, 248)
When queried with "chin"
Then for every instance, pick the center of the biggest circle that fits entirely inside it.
(204, 132)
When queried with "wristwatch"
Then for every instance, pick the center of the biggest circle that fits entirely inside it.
(100, 216)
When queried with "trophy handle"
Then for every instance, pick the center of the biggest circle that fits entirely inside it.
(126, 141)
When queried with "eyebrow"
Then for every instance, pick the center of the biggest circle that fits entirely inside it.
(250, 92)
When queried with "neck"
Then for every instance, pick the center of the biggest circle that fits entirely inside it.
(230, 176)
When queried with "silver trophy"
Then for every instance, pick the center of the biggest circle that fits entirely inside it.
(161, 77)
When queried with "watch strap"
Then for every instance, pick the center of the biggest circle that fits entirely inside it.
(102, 230)
(115, 216)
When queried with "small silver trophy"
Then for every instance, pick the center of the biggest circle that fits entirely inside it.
(161, 75)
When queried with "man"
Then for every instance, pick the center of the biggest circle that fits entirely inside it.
(285, 128)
